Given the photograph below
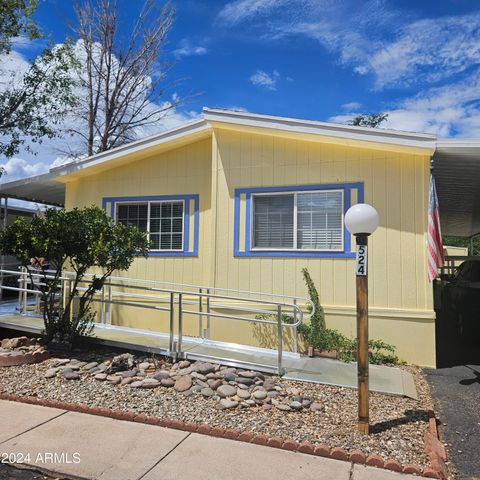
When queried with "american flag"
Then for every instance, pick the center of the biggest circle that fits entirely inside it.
(435, 246)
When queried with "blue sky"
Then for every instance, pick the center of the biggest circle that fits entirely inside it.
(321, 59)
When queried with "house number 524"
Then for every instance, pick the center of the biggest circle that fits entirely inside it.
(361, 259)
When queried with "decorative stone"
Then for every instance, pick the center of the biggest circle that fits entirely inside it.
(296, 405)
(183, 383)
(245, 381)
(247, 374)
(100, 376)
(283, 407)
(51, 372)
(243, 394)
(90, 365)
(228, 403)
(230, 377)
(114, 379)
(69, 375)
(136, 384)
(316, 406)
(127, 381)
(226, 391)
(207, 392)
(214, 383)
(260, 395)
(184, 364)
(150, 383)
(161, 374)
(122, 362)
(62, 361)
(167, 382)
(205, 368)
(143, 365)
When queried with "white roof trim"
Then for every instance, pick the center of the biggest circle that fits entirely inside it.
(419, 140)
(183, 130)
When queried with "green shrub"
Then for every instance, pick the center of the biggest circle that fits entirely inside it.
(78, 240)
(316, 334)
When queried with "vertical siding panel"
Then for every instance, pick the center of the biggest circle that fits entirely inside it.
(407, 241)
(394, 210)
(379, 245)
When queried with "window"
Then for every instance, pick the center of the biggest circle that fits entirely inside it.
(309, 221)
(163, 221)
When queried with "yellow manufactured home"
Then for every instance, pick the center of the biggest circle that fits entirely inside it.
(242, 201)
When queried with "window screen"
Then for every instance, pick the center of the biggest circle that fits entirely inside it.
(320, 220)
(299, 221)
(162, 220)
(273, 221)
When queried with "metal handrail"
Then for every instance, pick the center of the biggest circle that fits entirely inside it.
(177, 298)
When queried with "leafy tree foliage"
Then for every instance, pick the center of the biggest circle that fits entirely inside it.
(372, 120)
(15, 21)
(32, 104)
(472, 243)
(77, 240)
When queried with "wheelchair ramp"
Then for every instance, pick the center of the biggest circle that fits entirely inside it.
(383, 379)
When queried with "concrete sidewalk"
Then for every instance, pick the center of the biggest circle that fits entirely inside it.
(91, 447)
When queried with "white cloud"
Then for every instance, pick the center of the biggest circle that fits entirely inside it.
(186, 49)
(451, 110)
(351, 106)
(266, 80)
(370, 37)
(239, 10)
(18, 168)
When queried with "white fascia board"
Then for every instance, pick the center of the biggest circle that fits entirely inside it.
(184, 130)
(418, 140)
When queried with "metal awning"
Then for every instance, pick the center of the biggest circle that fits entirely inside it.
(40, 189)
(457, 177)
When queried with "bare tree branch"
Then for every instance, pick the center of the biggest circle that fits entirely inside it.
(125, 80)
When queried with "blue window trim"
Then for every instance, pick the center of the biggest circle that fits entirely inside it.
(346, 187)
(186, 215)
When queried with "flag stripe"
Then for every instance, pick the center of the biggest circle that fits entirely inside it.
(434, 241)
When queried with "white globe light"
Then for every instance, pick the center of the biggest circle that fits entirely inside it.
(361, 218)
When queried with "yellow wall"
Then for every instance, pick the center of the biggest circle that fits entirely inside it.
(185, 170)
(395, 182)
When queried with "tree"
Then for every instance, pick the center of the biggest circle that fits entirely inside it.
(123, 79)
(15, 21)
(34, 102)
(372, 120)
(77, 240)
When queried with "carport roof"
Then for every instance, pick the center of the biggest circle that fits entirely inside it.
(457, 176)
(39, 188)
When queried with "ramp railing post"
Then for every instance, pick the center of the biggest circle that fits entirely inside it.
(208, 311)
(180, 324)
(295, 337)
(280, 340)
(200, 316)
(172, 323)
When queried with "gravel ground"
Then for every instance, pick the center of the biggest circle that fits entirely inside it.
(397, 424)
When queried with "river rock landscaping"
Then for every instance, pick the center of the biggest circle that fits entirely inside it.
(227, 397)
(21, 350)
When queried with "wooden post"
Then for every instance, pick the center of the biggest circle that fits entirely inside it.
(362, 333)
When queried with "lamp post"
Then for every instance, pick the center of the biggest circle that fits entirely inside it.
(362, 220)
